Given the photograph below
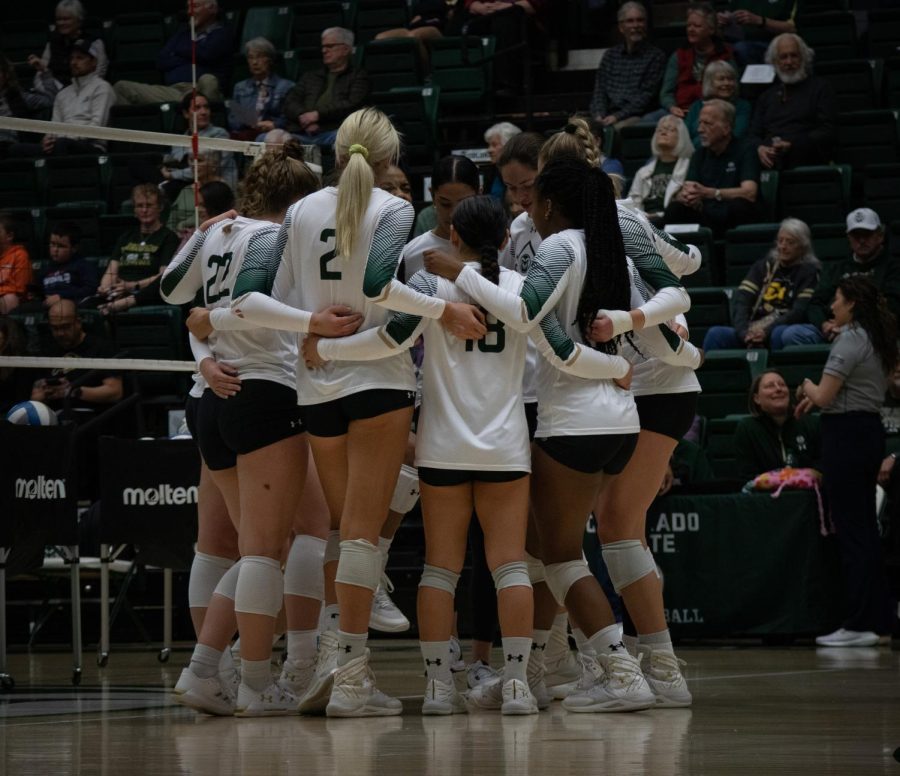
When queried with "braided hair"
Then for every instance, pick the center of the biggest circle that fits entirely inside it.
(584, 195)
(871, 312)
(481, 224)
(576, 139)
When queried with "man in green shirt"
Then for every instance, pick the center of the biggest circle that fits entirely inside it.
(721, 187)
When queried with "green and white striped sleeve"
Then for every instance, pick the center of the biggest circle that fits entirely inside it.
(555, 345)
(183, 278)
(395, 337)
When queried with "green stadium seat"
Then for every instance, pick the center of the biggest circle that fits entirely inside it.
(392, 63)
(118, 178)
(374, 16)
(891, 82)
(709, 307)
(669, 37)
(768, 194)
(154, 332)
(867, 137)
(884, 33)
(894, 239)
(273, 23)
(830, 241)
(744, 246)
(720, 446)
(135, 37)
(310, 19)
(853, 81)
(831, 34)
(414, 112)
(300, 60)
(21, 37)
(19, 185)
(882, 190)
(633, 147)
(725, 378)
(462, 68)
(73, 179)
(798, 362)
(813, 194)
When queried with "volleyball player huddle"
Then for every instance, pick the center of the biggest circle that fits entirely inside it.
(581, 307)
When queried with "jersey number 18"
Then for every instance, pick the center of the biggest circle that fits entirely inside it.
(492, 342)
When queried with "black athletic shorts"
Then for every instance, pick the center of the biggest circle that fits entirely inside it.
(261, 413)
(191, 408)
(332, 418)
(445, 477)
(531, 410)
(669, 414)
(607, 453)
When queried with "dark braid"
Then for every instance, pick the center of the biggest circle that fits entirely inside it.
(871, 312)
(586, 197)
(481, 224)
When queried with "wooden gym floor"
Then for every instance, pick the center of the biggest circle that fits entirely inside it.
(756, 711)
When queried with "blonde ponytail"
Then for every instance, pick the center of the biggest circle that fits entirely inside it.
(576, 139)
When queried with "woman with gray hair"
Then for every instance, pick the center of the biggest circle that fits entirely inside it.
(720, 81)
(657, 181)
(775, 292)
(496, 137)
(256, 102)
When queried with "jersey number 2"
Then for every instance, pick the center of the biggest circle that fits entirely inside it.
(214, 290)
(494, 327)
(324, 272)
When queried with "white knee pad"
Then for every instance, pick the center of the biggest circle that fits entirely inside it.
(561, 577)
(536, 572)
(260, 586)
(406, 493)
(439, 578)
(303, 571)
(514, 574)
(359, 564)
(206, 571)
(228, 583)
(626, 561)
(333, 547)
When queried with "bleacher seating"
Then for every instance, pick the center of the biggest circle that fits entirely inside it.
(462, 68)
(311, 18)
(633, 147)
(814, 194)
(867, 137)
(271, 22)
(882, 190)
(134, 41)
(73, 179)
(884, 33)
(798, 362)
(830, 241)
(374, 16)
(853, 81)
(720, 445)
(831, 34)
(744, 246)
(709, 307)
(725, 379)
(18, 184)
(392, 63)
(414, 112)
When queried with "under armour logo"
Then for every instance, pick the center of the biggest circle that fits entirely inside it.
(510, 658)
(616, 647)
(334, 615)
(435, 662)
(541, 647)
(295, 423)
(348, 649)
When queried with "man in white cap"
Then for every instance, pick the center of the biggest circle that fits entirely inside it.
(868, 256)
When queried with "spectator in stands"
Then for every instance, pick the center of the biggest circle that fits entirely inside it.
(14, 383)
(776, 291)
(682, 85)
(71, 276)
(213, 198)
(429, 20)
(508, 21)
(890, 419)
(868, 256)
(14, 103)
(496, 137)
(657, 181)
(214, 59)
(85, 101)
(256, 102)
(722, 180)
(720, 82)
(850, 393)
(322, 99)
(630, 73)
(177, 170)
(53, 66)
(751, 24)
(15, 267)
(772, 438)
(140, 255)
(85, 389)
(794, 119)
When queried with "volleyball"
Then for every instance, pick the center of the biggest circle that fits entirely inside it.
(32, 413)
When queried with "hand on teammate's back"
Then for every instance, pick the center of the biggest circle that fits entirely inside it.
(309, 351)
(338, 320)
(463, 321)
(223, 379)
(439, 262)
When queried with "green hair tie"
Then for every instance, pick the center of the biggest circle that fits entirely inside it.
(356, 148)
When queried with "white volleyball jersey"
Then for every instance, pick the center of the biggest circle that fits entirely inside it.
(213, 261)
(311, 276)
(524, 242)
(472, 415)
(413, 257)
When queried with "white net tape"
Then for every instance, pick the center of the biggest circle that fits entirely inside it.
(106, 364)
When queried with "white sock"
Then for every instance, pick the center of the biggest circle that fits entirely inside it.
(558, 641)
(350, 645)
(658, 642)
(580, 639)
(205, 661)
(516, 651)
(607, 640)
(331, 617)
(436, 655)
(631, 644)
(256, 674)
(539, 642)
(301, 645)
